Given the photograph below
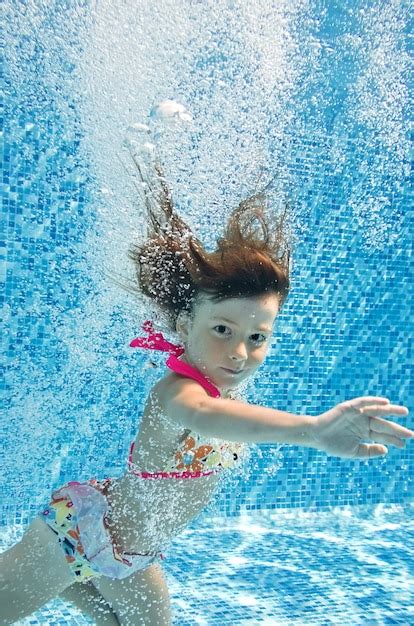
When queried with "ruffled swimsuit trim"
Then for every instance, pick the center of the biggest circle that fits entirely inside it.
(78, 515)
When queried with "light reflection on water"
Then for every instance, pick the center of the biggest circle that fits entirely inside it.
(343, 566)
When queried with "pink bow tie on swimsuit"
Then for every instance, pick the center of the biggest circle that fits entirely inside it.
(156, 341)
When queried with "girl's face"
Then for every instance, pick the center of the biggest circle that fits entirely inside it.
(227, 341)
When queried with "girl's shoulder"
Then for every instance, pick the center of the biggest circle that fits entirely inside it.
(167, 388)
(172, 383)
(156, 408)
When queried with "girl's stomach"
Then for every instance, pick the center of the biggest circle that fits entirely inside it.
(145, 514)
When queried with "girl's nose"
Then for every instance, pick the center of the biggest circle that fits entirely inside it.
(239, 352)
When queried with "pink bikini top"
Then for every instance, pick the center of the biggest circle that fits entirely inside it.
(194, 457)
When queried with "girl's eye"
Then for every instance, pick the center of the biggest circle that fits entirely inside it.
(256, 338)
(259, 338)
(222, 327)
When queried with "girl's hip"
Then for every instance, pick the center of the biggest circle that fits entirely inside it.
(78, 514)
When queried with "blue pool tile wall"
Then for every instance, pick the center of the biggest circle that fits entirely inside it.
(345, 331)
(74, 391)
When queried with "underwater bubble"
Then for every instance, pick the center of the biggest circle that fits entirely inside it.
(170, 110)
(138, 127)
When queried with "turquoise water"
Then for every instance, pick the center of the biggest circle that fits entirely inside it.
(345, 566)
(314, 93)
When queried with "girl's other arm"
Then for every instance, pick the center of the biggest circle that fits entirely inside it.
(340, 431)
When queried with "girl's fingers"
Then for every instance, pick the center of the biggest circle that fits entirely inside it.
(379, 425)
(370, 450)
(388, 439)
(390, 409)
(363, 401)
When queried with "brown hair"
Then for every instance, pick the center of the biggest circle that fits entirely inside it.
(172, 266)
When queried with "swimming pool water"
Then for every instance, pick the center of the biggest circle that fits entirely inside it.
(317, 94)
(340, 567)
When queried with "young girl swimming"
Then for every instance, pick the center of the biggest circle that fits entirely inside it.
(109, 535)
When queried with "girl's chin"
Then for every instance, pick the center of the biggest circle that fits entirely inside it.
(225, 387)
(223, 381)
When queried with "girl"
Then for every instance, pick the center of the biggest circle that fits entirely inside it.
(109, 535)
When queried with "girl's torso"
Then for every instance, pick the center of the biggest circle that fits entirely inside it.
(145, 514)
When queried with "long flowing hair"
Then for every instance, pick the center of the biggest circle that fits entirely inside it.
(172, 267)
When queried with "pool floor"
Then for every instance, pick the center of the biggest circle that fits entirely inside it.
(349, 566)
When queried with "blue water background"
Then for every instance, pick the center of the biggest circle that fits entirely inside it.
(74, 392)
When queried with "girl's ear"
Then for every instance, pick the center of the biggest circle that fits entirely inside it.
(182, 325)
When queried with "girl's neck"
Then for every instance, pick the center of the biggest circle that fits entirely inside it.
(223, 391)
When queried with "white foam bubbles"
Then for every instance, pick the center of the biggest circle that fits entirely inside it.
(170, 110)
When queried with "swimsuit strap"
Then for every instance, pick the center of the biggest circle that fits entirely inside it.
(187, 370)
(156, 341)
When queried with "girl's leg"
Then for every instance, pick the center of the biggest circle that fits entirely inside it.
(141, 599)
(88, 599)
(32, 572)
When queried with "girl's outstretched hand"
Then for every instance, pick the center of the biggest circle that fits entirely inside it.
(341, 430)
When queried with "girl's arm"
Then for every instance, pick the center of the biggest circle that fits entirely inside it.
(233, 420)
(340, 431)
